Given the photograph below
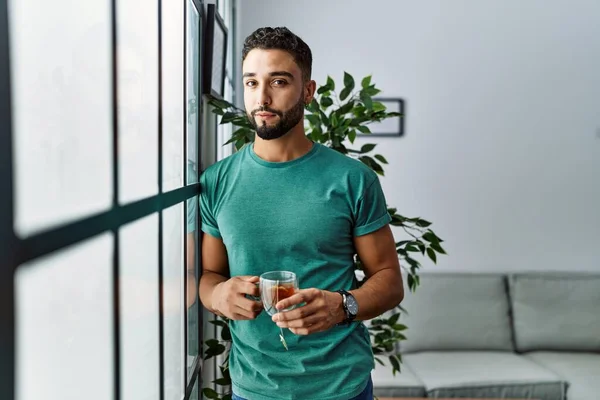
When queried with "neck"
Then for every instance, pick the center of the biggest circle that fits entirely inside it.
(290, 146)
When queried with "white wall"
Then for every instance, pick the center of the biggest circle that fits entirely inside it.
(502, 145)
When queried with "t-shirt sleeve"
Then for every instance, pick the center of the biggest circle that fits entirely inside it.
(207, 211)
(371, 210)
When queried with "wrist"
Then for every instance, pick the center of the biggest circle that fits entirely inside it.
(340, 314)
(214, 304)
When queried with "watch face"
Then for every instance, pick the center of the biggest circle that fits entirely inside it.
(352, 305)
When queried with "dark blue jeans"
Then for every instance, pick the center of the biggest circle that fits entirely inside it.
(366, 394)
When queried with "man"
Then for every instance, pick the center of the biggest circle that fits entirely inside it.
(286, 203)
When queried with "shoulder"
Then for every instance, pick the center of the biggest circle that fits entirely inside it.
(347, 165)
(213, 174)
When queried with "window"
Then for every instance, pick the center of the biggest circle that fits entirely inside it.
(99, 164)
(226, 10)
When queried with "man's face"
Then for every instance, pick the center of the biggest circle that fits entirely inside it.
(274, 93)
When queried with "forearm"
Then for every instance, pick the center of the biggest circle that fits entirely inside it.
(379, 293)
(208, 282)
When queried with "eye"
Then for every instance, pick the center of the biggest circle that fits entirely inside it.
(250, 83)
(279, 82)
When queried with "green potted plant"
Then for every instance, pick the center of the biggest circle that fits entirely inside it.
(335, 120)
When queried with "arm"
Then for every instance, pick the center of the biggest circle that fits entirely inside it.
(382, 290)
(220, 294)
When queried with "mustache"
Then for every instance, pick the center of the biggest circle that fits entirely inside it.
(266, 109)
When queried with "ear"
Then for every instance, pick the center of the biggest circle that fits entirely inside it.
(310, 88)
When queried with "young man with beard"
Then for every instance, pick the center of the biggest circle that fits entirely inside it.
(286, 203)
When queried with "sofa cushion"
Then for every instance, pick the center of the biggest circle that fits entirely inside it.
(580, 370)
(403, 384)
(556, 311)
(457, 311)
(484, 374)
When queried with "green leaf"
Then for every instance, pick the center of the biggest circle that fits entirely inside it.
(212, 342)
(438, 248)
(330, 83)
(367, 101)
(210, 393)
(394, 114)
(218, 323)
(348, 81)
(413, 262)
(313, 106)
(400, 327)
(323, 89)
(379, 361)
(214, 351)
(228, 117)
(352, 135)
(366, 81)
(381, 158)
(240, 143)
(313, 119)
(222, 381)
(334, 120)
(346, 108)
(371, 91)
(225, 333)
(432, 255)
(377, 106)
(395, 364)
(393, 319)
(367, 148)
(423, 223)
(345, 93)
(430, 237)
(363, 129)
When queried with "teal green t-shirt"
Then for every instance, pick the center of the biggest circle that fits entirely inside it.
(299, 216)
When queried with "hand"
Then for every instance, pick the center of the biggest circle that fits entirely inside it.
(228, 298)
(322, 311)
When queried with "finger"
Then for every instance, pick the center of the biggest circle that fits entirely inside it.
(243, 314)
(305, 322)
(250, 288)
(295, 314)
(248, 304)
(249, 278)
(301, 296)
(307, 330)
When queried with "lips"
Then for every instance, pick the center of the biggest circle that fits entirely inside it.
(265, 115)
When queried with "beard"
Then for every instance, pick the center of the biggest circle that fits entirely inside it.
(287, 120)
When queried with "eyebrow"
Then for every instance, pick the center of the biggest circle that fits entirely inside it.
(271, 74)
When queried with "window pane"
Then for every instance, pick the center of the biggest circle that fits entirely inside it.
(137, 76)
(64, 324)
(139, 309)
(172, 95)
(173, 301)
(62, 109)
(196, 395)
(193, 302)
(193, 98)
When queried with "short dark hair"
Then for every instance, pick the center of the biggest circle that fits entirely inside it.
(281, 38)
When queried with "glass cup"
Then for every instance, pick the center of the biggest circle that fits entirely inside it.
(276, 286)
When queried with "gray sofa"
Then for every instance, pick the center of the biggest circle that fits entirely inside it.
(525, 335)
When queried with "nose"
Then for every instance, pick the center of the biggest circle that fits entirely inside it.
(264, 99)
